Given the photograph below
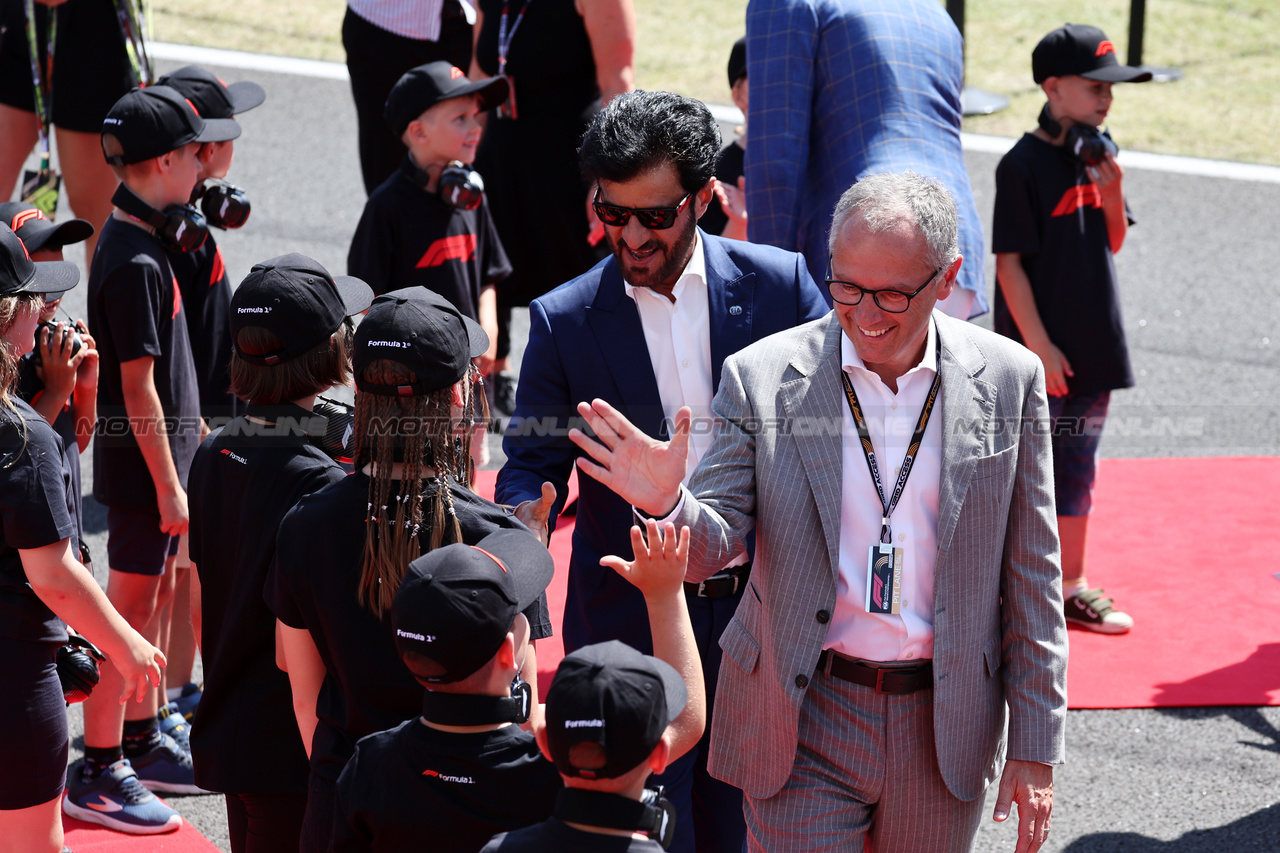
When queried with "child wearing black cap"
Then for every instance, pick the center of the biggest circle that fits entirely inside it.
(464, 769)
(292, 340)
(429, 223)
(615, 716)
(727, 213)
(1060, 217)
(42, 582)
(59, 377)
(149, 418)
(343, 551)
(206, 293)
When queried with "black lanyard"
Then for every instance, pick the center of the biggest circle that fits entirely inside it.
(860, 422)
(505, 37)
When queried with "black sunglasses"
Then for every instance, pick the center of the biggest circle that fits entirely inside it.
(653, 218)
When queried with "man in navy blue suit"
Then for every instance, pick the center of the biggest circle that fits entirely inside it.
(648, 330)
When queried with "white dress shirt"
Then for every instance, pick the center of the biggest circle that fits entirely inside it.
(678, 335)
(891, 418)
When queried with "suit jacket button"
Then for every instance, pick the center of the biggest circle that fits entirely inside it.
(802, 681)
(735, 310)
(823, 617)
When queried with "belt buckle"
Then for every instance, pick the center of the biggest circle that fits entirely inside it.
(702, 588)
(880, 674)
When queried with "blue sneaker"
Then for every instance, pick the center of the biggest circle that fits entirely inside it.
(175, 725)
(166, 767)
(116, 800)
(188, 701)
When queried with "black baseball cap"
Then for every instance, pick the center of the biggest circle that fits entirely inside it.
(457, 603)
(423, 87)
(421, 330)
(612, 695)
(738, 61)
(20, 274)
(296, 298)
(36, 231)
(1084, 51)
(213, 98)
(153, 121)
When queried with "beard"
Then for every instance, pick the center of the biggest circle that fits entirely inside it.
(667, 262)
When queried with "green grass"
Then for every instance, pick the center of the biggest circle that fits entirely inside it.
(1227, 107)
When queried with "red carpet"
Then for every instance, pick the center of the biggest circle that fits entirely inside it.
(550, 650)
(92, 838)
(1190, 548)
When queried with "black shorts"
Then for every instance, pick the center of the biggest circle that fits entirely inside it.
(135, 543)
(33, 725)
(91, 69)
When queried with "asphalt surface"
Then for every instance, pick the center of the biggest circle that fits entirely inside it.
(1197, 276)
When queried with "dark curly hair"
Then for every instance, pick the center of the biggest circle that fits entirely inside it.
(642, 130)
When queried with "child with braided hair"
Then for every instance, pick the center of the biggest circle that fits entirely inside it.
(342, 552)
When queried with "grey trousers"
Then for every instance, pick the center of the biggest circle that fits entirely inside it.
(866, 772)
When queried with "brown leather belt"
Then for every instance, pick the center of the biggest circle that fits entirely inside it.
(884, 679)
(726, 584)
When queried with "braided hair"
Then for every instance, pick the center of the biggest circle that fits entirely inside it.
(418, 431)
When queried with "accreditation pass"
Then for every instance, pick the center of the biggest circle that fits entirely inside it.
(884, 579)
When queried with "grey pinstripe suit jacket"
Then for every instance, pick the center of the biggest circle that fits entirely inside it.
(999, 635)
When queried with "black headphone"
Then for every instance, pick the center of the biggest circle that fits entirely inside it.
(178, 226)
(653, 814)
(225, 205)
(459, 186)
(1087, 144)
(467, 709)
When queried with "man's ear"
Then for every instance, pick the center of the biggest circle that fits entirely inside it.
(506, 655)
(949, 278)
(702, 198)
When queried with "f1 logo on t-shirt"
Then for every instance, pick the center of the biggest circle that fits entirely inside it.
(459, 247)
(1081, 195)
(177, 299)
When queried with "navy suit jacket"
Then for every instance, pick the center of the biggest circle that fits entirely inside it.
(586, 341)
(841, 89)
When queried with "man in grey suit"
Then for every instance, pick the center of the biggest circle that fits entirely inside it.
(896, 617)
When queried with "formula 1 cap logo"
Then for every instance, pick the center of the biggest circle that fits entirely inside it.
(227, 453)
(584, 724)
(1104, 47)
(24, 217)
(444, 777)
(455, 73)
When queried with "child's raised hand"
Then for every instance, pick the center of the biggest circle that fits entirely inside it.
(659, 567)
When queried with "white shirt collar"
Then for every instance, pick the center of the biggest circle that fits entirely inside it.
(695, 270)
(849, 357)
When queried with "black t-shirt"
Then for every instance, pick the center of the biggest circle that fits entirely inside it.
(206, 300)
(30, 388)
(34, 512)
(458, 790)
(409, 237)
(1048, 211)
(556, 835)
(135, 310)
(729, 167)
(312, 586)
(244, 479)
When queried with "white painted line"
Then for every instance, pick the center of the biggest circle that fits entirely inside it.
(722, 113)
(187, 53)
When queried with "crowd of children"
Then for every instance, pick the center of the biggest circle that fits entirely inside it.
(367, 623)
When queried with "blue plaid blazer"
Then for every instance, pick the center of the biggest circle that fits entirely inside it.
(841, 89)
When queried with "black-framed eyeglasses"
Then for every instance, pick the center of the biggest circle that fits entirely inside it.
(892, 301)
(653, 218)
